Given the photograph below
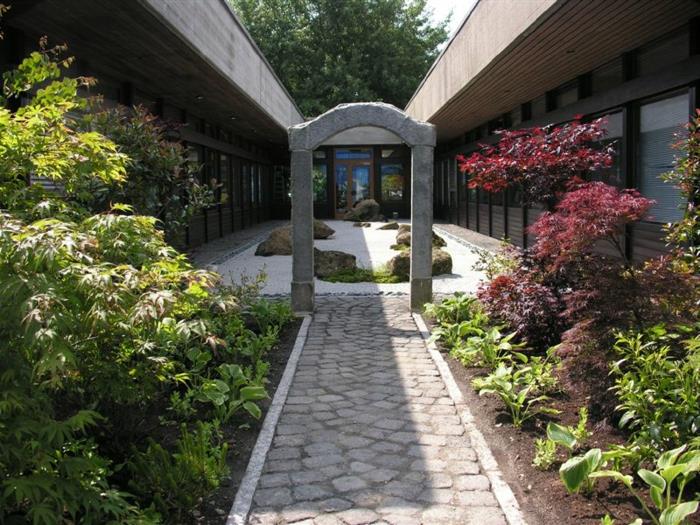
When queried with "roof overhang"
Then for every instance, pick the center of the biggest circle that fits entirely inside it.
(198, 57)
(508, 52)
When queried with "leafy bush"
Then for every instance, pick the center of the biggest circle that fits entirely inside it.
(454, 309)
(666, 484)
(517, 388)
(527, 306)
(656, 382)
(540, 160)
(160, 181)
(488, 348)
(175, 481)
(106, 332)
(545, 454)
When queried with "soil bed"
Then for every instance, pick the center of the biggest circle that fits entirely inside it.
(242, 437)
(542, 496)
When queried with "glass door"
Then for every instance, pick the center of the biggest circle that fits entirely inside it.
(353, 178)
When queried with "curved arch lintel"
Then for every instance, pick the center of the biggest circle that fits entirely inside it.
(309, 135)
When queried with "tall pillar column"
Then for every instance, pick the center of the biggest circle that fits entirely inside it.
(302, 233)
(421, 226)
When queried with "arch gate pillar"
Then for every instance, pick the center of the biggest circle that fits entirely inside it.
(306, 137)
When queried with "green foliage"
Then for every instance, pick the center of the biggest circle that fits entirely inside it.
(489, 348)
(106, 332)
(269, 314)
(455, 309)
(656, 382)
(568, 436)
(685, 234)
(160, 180)
(41, 138)
(666, 484)
(175, 481)
(517, 388)
(328, 52)
(545, 454)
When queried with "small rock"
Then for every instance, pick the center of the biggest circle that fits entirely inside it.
(390, 226)
(362, 225)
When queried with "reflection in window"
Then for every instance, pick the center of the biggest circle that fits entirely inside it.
(613, 135)
(350, 154)
(320, 181)
(659, 122)
(392, 182)
(225, 165)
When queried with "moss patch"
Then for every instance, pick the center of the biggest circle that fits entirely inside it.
(364, 275)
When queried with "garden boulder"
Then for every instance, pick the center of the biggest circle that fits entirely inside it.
(390, 226)
(279, 242)
(365, 210)
(400, 264)
(328, 262)
(403, 236)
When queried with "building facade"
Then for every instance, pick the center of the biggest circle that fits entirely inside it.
(516, 64)
(197, 67)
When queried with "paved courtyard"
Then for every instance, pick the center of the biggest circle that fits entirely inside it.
(371, 246)
(369, 434)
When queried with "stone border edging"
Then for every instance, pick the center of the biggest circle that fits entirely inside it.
(459, 240)
(503, 493)
(244, 496)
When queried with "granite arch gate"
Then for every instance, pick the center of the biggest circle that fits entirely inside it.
(306, 137)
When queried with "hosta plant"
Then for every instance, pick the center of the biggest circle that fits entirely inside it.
(455, 309)
(517, 390)
(666, 483)
(488, 348)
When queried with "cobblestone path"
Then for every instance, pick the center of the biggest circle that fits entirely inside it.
(368, 433)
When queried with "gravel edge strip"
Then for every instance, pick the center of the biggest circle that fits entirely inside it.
(244, 496)
(504, 495)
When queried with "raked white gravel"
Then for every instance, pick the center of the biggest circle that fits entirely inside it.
(371, 246)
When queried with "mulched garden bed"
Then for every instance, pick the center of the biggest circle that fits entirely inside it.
(542, 496)
(242, 438)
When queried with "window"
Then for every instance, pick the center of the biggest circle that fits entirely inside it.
(392, 182)
(245, 182)
(659, 122)
(607, 76)
(566, 94)
(225, 165)
(253, 179)
(319, 154)
(538, 107)
(515, 117)
(320, 181)
(613, 174)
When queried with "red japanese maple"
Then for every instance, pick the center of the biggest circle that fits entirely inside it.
(591, 212)
(542, 160)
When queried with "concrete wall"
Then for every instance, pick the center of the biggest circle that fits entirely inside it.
(489, 30)
(216, 34)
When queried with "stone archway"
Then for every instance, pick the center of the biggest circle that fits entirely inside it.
(305, 138)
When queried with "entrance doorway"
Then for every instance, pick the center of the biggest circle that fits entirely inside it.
(354, 180)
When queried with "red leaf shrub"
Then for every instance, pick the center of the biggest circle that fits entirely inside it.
(526, 306)
(542, 160)
(593, 211)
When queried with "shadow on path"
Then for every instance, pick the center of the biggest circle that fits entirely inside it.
(368, 433)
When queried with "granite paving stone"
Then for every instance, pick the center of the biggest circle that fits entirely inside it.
(369, 434)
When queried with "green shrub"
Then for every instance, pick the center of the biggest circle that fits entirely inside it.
(175, 481)
(666, 483)
(107, 333)
(545, 454)
(517, 389)
(160, 181)
(489, 349)
(455, 309)
(656, 382)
